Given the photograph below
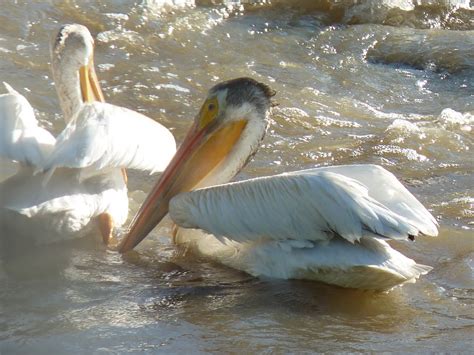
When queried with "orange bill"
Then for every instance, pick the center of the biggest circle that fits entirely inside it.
(202, 151)
(90, 87)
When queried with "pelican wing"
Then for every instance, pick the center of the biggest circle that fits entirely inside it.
(383, 186)
(21, 139)
(306, 205)
(103, 135)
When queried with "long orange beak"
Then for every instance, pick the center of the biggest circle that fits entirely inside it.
(90, 87)
(201, 153)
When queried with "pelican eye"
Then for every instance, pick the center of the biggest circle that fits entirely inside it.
(208, 112)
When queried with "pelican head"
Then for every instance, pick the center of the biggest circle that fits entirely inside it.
(73, 70)
(226, 132)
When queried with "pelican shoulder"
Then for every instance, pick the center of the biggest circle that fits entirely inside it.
(103, 136)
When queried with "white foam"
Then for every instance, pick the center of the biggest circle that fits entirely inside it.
(457, 120)
(403, 125)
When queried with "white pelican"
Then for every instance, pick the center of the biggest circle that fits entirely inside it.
(327, 224)
(68, 186)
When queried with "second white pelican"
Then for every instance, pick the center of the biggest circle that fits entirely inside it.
(327, 224)
(68, 186)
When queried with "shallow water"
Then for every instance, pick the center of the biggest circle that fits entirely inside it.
(381, 82)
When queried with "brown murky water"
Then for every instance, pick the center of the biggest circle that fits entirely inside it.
(381, 82)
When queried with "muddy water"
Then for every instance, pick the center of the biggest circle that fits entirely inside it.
(383, 82)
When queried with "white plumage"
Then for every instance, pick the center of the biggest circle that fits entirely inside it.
(84, 178)
(68, 186)
(326, 224)
(62, 209)
(103, 136)
(309, 205)
(21, 139)
(368, 264)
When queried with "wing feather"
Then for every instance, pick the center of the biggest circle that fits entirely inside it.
(384, 187)
(21, 139)
(103, 135)
(307, 205)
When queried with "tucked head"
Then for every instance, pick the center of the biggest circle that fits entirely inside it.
(73, 43)
(72, 64)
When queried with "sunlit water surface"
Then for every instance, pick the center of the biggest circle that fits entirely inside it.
(382, 82)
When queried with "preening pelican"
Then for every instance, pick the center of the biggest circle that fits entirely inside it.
(328, 224)
(70, 185)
